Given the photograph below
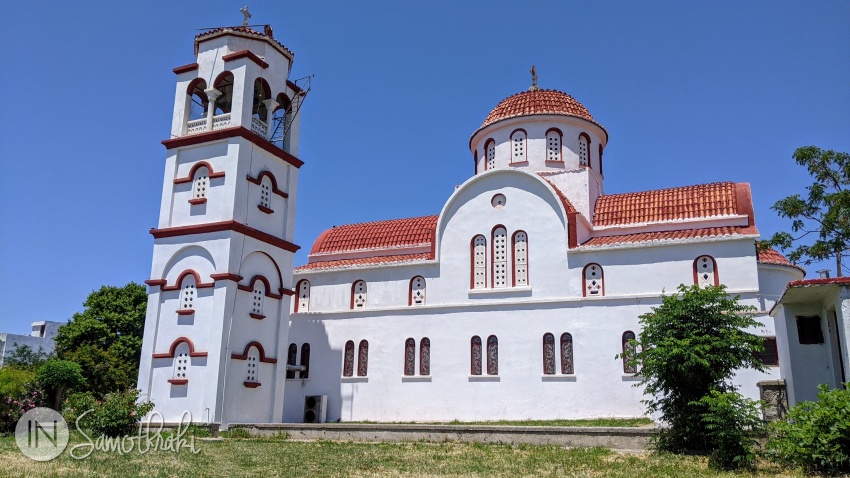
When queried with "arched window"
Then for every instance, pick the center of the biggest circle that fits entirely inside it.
(410, 357)
(200, 184)
(363, 358)
(425, 356)
(553, 145)
(358, 294)
(281, 118)
(187, 292)
(348, 361)
(518, 138)
(705, 271)
(548, 354)
(479, 262)
(291, 357)
(261, 94)
(181, 363)
(520, 258)
(593, 281)
(583, 149)
(492, 355)
(417, 291)
(600, 160)
(251, 374)
(500, 257)
(198, 102)
(259, 293)
(224, 84)
(490, 148)
(303, 302)
(475, 355)
(628, 352)
(266, 195)
(567, 354)
(305, 360)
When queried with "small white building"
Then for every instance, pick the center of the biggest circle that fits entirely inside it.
(40, 338)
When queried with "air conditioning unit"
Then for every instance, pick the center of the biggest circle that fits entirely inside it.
(315, 408)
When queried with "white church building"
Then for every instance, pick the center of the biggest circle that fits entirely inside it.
(511, 302)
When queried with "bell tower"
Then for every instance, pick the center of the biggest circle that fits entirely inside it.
(220, 285)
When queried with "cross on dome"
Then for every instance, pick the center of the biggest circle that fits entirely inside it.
(245, 15)
(534, 86)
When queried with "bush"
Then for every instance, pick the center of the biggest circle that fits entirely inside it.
(13, 406)
(731, 421)
(58, 376)
(14, 381)
(816, 435)
(76, 405)
(119, 413)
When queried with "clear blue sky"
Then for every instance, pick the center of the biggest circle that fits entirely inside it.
(690, 92)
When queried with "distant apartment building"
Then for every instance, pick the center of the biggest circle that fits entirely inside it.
(42, 335)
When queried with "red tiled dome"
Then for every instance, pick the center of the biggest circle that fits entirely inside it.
(538, 102)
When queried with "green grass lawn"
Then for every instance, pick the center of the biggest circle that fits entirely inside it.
(259, 457)
(595, 422)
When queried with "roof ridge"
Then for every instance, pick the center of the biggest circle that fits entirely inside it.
(673, 188)
(367, 223)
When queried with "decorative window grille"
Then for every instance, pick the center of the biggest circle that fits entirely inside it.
(518, 145)
(305, 360)
(548, 354)
(303, 304)
(291, 357)
(200, 183)
(475, 355)
(266, 192)
(187, 293)
(567, 354)
(520, 258)
(181, 362)
(425, 356)
(348, 363)
(491, 154)
(706, 272)
(257, 300)
(253, 359)
(410, 357)
(500, 257)
(582, 150)
(363, 358)
(358, 291)
(628, 352)
(417, 291)
(553, 146)
(593, 285)
(479, 262)
(492, 355)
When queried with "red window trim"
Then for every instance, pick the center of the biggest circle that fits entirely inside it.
(195, 168)
(410, 289)
(265, 209)
(513, 258)
(251, 384)
(298, 291)
(179, 282)
(198, 201)
(716, 272)
(584, 279)
(257, 316)
(173, 348)
(352, 291)
(258, 180)
(178, 381)
(589, 157)
(493, 254)
(260, 351)
(250, 287)
(486, 160)
(185, 311)
(472, 262)
(560, 151)
(524, 147)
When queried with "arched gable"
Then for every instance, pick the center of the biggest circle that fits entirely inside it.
(173, 349)
(260, 350)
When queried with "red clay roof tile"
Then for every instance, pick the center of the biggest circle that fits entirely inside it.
(412, 231)
(245, 31)
(700, 201)
(383, 260)
(538, 102)
(643, 237)
(772, 256)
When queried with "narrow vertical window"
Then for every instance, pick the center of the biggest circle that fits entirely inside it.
(593, 281)
(181, 362)
(410, 357)
(358, 295)
(600, 160)
(705, 271)
(363, 358)
(303, 302)
(548, 354)
(265, 194)
(583, 151)
(187, 292)
(259, 295)
(251, 374)
(348, 363)
(553, 145)
(425, 356)
(491, 154)
(492, 355)
(567, 354)
(520, 258)
(200, 183)
(628, 352)
(417, 291)
(475, 356)
(291, 357)
(518, 146)
(479, 262)
(500, 257)
(305, 360)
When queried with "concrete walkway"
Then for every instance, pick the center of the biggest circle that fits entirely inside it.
(616, 438)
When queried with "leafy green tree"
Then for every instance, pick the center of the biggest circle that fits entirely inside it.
(689, 346)
(106, 338)
(824, 213)
(59, 376)
(24, 357)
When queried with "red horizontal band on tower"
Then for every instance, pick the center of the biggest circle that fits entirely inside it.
(225, 226)
(231, 133)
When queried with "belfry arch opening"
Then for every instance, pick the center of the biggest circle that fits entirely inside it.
(224, 84)
(197, 101)
(280, 120)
